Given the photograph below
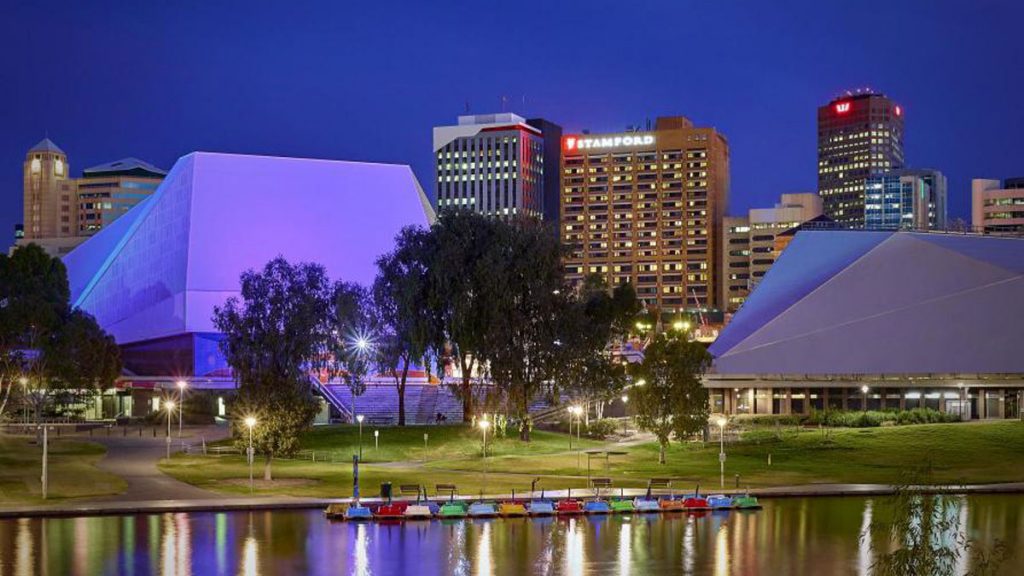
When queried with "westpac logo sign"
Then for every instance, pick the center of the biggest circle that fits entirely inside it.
(616, 141)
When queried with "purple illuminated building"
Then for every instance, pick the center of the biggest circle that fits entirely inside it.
(879, 320)
(154, 276)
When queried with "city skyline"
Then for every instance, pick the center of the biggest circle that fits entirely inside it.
(157, 83)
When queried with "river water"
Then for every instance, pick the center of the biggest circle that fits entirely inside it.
(819, 536)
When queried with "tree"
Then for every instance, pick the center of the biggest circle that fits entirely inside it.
(461, 292)
(81, 359)
(46, 348)
(523, 347)
(275, 336)
(668, 396)
(400, 296)
(354, 335)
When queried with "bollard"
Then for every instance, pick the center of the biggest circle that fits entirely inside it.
(154, 432)
(140, 431)
(737, 481)
(769, 458)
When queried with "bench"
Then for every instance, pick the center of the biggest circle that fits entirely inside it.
(409, 490)
(449, 489)
(599, 483)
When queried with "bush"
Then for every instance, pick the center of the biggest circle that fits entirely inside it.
(601, 429)
(770, 419)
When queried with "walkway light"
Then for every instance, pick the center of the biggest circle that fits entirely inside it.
(359, 418)
(484, 425)
(250, 422)
(169, 406)
(181, 384)
(721, 421)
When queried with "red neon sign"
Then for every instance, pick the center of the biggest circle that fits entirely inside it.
(570, 142)
(898, 110)
(842, 107)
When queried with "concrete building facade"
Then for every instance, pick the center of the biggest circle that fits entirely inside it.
(859, 136)
(647, 207)
(749, 243)
(494, 164)
(997, 207)
(61, 212)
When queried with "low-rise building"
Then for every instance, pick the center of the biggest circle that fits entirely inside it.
(749, 242)
(997, 207)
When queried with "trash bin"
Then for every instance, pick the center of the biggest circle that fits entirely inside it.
(385, 490)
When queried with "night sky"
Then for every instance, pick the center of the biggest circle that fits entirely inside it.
(367, 80)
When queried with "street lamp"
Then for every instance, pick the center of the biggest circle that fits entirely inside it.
(864, 390)
(577, 411)
(181, 400)
(249, 423)
(960, 385)
(484, 425)
(359, 418)
(169, 405)
(721, 421)
(24, 389)
(625, 413)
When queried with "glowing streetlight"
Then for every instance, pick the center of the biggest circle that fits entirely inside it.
(359, 418)
(181, 384)
(625, 413)
(484, 425)
(721, 421)
(577, 411)
(864, 390)
(169, 406)
(640, 382)
(250, 422)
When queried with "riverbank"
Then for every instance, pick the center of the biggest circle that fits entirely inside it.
(74, 471)
(118, 508)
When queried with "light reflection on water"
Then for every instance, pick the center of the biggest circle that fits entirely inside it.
(795, 536)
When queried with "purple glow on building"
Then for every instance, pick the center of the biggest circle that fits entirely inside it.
(160, 269)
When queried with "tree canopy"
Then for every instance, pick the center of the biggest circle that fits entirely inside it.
(275, 336)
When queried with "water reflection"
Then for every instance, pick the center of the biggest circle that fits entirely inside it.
(819, 536)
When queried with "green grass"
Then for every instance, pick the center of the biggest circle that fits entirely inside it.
(72, 471)
(959, 453)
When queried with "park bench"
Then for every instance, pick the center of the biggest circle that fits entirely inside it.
(658, 484)
(409, 490)
(600, 483)
(450, 489)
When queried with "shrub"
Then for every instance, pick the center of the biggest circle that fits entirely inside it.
(601, 429)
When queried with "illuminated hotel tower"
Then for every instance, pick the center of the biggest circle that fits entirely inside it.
(647, 207)
(859, 135)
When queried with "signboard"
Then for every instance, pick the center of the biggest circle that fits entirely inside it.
(586, 142)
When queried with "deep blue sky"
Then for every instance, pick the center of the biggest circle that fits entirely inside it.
(368, 80)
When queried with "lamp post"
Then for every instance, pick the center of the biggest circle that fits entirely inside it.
(960, 385)
(864, 390)
(576, 411)
(721, 450)
(181, 402)
(625, 413)
(250, 422)
(359, 418)
(484, 425)
(169, 405)
(24, 389)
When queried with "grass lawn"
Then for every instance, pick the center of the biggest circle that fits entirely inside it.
(72, 471)
(959, 453)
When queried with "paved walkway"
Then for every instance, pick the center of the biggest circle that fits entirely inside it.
(135, 460)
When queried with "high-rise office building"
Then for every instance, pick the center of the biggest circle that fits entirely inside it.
(749, 243)
(60, 212)
(997, 207)
(647, 207)
(905, 199)
(859, 135)
(107, 191)
(494, 164)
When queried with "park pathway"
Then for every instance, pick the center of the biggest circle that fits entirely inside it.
(135, 460)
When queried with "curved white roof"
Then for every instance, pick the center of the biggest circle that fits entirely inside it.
(856, 302)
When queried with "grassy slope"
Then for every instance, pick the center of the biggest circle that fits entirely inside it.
(973, 453)
(72, 471)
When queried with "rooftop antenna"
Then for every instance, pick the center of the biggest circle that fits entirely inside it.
(504, 100)
(467, 106)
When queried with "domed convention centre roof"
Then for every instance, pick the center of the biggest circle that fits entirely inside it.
(870, 303)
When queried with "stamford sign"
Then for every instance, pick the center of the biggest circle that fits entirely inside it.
(623, 140)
